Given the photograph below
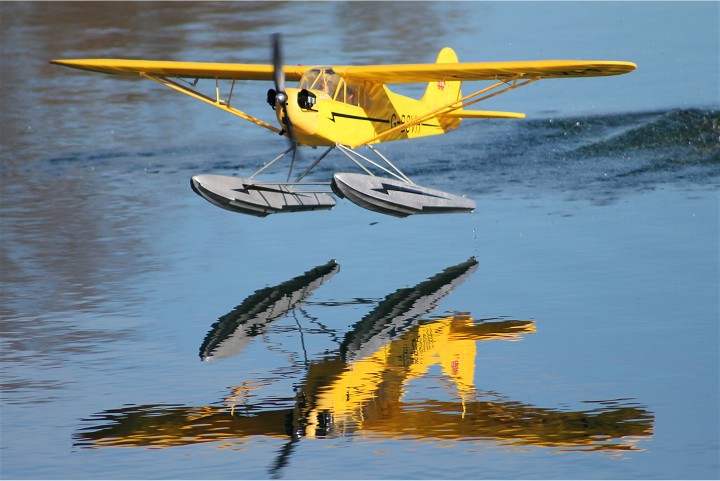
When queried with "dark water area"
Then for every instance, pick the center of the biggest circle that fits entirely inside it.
(596, 158)
(567, 329)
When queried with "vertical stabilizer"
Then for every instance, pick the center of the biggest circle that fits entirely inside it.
(442, 93)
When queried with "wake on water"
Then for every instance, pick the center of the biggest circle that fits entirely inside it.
(598, 158)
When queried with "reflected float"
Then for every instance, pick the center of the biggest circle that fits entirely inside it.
(235, 330)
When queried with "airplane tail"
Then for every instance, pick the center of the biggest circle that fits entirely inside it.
(442, 93)
(438, 94)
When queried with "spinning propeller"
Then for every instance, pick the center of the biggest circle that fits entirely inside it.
(279, 95)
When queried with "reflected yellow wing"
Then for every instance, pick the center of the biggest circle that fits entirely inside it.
(469, 71)
(234, 71)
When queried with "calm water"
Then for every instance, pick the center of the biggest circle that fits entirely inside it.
(566, 329)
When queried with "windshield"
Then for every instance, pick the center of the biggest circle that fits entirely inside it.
(326, 80)
(321, 78)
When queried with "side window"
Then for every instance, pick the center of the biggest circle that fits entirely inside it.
(329, 83)
(351, 94)
(357, 94)
(340, 90)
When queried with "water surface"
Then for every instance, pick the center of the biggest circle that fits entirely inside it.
(566, 329)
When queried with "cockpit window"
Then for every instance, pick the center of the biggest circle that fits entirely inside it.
(326, 80)
(309, 78)
(321, 79)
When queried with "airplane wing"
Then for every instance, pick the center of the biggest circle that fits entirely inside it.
(399, 73)
(470, 71)
(209, 70)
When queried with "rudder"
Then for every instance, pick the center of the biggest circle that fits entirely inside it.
(442, 93)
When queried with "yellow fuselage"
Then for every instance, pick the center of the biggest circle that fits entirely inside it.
(331, 121)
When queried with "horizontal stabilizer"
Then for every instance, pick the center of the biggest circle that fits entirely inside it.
(483, 114)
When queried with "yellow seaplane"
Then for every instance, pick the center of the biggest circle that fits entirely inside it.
(346, 107)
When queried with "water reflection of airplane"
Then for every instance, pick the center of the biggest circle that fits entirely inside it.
(233, 331)
(361, 389)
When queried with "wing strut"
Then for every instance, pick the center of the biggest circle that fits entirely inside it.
(471, 99)
(215, 102)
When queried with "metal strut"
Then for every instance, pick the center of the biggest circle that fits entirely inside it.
(215, 102)
(351, 154)
(397, 173)
(301, 176)
(314, 164)
(273, 161)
